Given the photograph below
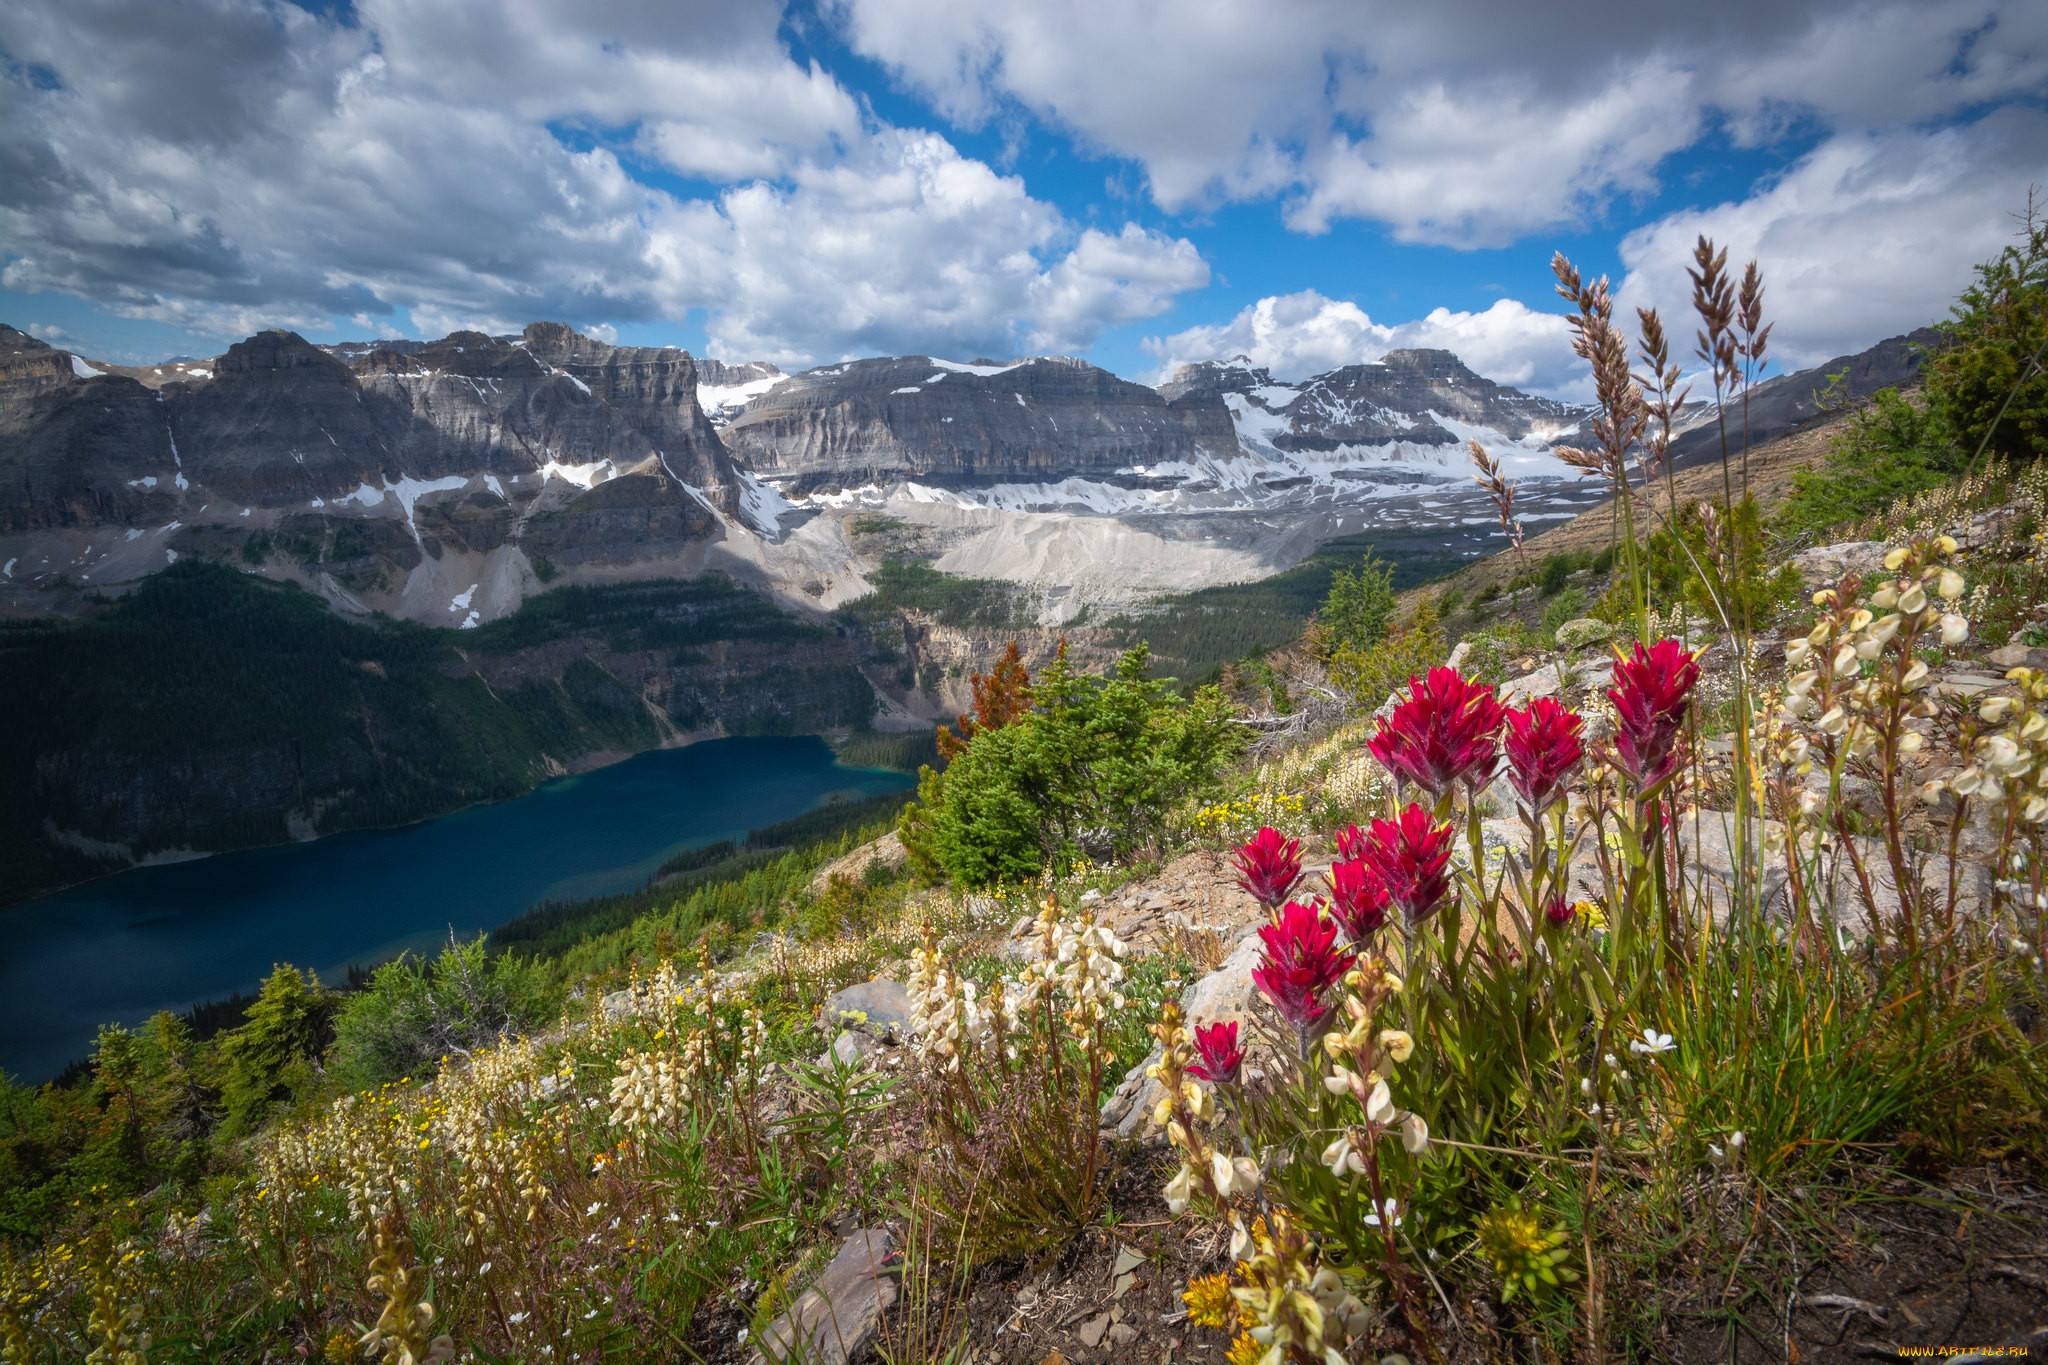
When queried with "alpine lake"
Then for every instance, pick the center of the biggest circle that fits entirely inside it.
(167, 937)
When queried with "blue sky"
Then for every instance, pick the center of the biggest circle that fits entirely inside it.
(1144, 184)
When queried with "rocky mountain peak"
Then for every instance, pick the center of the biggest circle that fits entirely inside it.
(277, 349)
(720, 374)
(13, 340)
(885, 418)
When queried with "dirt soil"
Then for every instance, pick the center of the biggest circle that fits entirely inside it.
(1915, 1270)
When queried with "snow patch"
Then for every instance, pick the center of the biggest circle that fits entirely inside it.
(83, 370)
(146, 481)
(574, 380)
(491, 482)
(7, 569)
(1020, 401)
(405, 492)
(762, 506)
(912, 389)
(470, 622)
(723, 402)
(461, 600)
(582, 475)
(134, 533)
(170, 555)
(983, 370)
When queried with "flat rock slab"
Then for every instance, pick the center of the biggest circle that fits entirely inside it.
(837, 1316)
(888, 851)
(880, 1008)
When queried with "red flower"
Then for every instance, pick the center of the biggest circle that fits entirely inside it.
(1543, 747)
(1269, 866)
(1350, 842)
(1558, 913)
(1358, 900)
(1222, 1059)
(1649, 699)
(1301, 962)
(1443, 733)
(1411, 856)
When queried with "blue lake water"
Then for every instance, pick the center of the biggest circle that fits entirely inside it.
(155, 938)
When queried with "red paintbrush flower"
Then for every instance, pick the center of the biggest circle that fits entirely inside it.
(1649, 699)
(1268, 866)
(1411, 856)
(1358, 900)
(1443, 733)
(1221, 1058)
(1302, 961)
(1558, 913)
(1542, 746)
(1350, 842)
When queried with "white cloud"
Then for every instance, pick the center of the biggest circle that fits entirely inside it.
(226, 165)
(1867, 237)
(1467, 122)
(1297, 335)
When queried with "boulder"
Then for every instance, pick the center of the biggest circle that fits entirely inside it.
(1223, 996)
(1577, 634)
(2017, 655)
(836, 1317)
(888, 850)
(1825, 565)
(880, 1008)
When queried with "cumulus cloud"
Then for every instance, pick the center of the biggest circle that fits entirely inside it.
(225, 165)
(1867, 236)
(1467, 122)
(1297, 335)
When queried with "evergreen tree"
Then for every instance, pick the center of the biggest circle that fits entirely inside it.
(286, 1031)
(1990, 361)
(1355, 614)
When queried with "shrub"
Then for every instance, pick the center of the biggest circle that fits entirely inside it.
(415, 1013)
(1093, 769)
(1367, 675)
(1892, 448)
(1566, 606)
(1716, 561)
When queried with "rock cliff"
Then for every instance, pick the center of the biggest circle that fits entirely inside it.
(402, 476)
(1421, 397)
(916, 417)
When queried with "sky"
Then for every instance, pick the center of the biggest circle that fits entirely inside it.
(1142, 183)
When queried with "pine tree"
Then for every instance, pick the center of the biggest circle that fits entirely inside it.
(286, 1030)
(1001, 696)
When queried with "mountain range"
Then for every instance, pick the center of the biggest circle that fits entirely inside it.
(447, 481)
